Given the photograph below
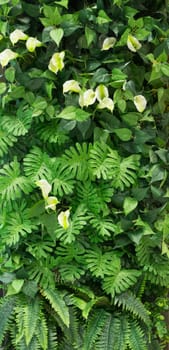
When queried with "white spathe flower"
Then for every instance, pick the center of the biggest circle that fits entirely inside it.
(32, 43)
(140, 103)
(63, 219)
(108, 43)
(101, 92)
(45, 187)
(133, 44)
(56, 62)
(17, 35)
(51, 203)
(87, 98)
(6, 56)
(72, 86)
(106, 103)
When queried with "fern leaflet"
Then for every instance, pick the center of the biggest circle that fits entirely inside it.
(94, 328)
(6, 309)
(56, 299)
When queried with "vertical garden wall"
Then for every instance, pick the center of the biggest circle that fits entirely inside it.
(84, 187)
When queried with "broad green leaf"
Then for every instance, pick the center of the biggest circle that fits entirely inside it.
(57, 35)
(129, 205)
(165, 69)
(2, 88)
(15, 287)
(124, 134)
(73, 113)
(63, 3)
(10, 74)
(90, 35)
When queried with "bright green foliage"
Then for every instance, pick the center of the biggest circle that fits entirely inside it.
(84, 103)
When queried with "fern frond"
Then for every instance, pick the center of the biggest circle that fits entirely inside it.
(114, 334)
(136, 338)
(7, 306)
(120, 280)
(56, 299)
(62, 181)
(37, 165)
(75, 161)
(50, 132)
(52, 337)
(12, 184)
(72, 334)
(42, 331)
(77, 222)
(18, 124)
(129, 302)
(94, 328)
(6, 140)
(31, 314)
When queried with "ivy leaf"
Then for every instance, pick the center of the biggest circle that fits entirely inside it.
(73, 113)
(129, 205)
(57, 35)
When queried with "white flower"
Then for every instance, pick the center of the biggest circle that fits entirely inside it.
(101, 92)
(45, 187)
(140, 103)
(108, 43)
(63, 219)
(132, 43)
(87, 98)
(51, 203)
(32, 43)
(106, 103)
(71, 85)
(56, 62)
(17, 35)
(6, 56)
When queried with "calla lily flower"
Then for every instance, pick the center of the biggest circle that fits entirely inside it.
(6, 56)
(87, 98)
(140, 103)
(56, 62)
(72, 86)
(51, 203)
(133, 44)
(45, 187)
(32, 43)
(101, 92)
(17, 35)
(106, 103)
(108, 43)
(63, 219)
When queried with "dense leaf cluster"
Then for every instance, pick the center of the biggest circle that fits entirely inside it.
(84, 106)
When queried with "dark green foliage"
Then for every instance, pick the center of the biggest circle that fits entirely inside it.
(84, 214)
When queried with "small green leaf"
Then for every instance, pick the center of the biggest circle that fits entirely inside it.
(165, 69)
(129, 205)
(2, 88)
(57, 35)
(10, 74)
(73, 113)
(124, 134)
(90, 35)
(63, 3)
